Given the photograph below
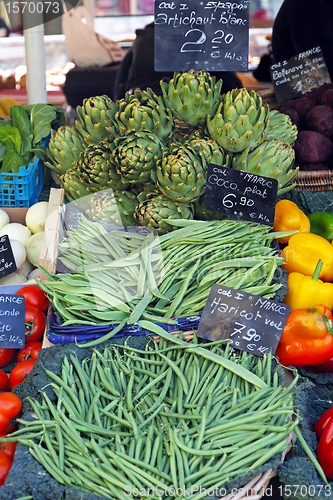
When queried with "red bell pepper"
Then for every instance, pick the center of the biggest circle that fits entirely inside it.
(323, 421)
(325, 450)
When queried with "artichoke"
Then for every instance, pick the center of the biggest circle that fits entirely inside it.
(240, 122)
(113, 207)
(135, 155)
(274, 159)
(96, 167)
(95, 116)
(181, 172)
(154, 211)
(143, 111)
(281, 127)
(192, 96)
(73, 186)
(64, 148)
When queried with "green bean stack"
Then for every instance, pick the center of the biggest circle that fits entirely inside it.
(184, 418)
(124, 277)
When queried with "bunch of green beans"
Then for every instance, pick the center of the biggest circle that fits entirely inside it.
(166, 419)
(122, 277)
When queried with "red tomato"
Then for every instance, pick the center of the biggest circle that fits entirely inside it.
(7, 448)
(10, 404)
(3, 381)
(30, 350)
(6, 355)
(35, 297)
(5, 465)
(19, 373)
(35, 322)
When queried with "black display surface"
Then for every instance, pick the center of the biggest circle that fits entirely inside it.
(7, 261)
(241, 195)
(205, 35)
(12, 323)
(299, 74)
(252, 323)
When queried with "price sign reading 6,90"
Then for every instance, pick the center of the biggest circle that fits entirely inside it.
(241, 195)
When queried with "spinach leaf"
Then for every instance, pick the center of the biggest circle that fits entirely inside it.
(11, 135)
(43, 118)
(12, 161)
(20, 119)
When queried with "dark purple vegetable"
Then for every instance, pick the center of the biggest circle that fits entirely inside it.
(302, 106)
(320, 119)
(327, 98)
(319, 92)
(292, 113)
(313, 147)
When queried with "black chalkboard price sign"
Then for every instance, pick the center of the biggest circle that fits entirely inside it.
(299, 74)
(12, 323)
(251, 323)
(201, 35)
(241, 195)
(7, 261)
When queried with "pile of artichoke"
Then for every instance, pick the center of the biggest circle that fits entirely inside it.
(150, 153)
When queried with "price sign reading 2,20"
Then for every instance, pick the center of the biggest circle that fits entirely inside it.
(208, 35)
(197, 40)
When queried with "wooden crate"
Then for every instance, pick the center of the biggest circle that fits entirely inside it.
(53, 232)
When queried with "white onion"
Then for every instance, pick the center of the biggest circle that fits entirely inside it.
(27, 268)
(13, 279)
(34, 246)
(36, 216)
(34, 274)
(16, 231)
(4, 218)
(19, 252)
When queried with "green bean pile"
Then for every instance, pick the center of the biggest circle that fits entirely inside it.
(123, 277)
(182, 418)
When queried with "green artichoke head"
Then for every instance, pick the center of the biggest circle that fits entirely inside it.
(281, 127)
(64, 148)
(95, 119)
(154, 211)
(192, 96)
(274, 159)
(240, 122)
(135, 156)
(114, 207)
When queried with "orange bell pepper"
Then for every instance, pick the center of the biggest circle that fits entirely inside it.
(289, 217)
(302, 253)
(307, 337)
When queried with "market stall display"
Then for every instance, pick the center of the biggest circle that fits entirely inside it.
(134, 255)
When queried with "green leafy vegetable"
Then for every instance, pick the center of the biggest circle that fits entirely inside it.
(2, 150)
(12, 161)
(11, 135)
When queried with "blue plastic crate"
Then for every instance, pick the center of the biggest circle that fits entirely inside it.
(23, 189)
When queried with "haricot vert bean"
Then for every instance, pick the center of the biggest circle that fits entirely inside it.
(174, 430)
(120, 277)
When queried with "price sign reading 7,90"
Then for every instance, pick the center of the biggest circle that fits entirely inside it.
(241, 195)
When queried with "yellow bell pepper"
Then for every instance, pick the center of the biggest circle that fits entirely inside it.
(306, 291)
(302, 253)
(289, 217)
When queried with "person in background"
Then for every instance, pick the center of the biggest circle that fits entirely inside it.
(137, 68)
(301, 25)
(4, 31)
